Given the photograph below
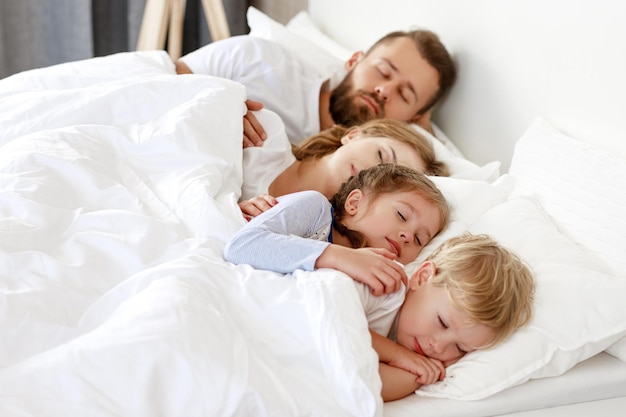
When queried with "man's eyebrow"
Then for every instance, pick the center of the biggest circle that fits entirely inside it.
(396, 70)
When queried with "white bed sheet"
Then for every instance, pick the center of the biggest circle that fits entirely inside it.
(606, 372)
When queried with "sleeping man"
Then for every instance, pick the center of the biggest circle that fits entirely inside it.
(400, 77)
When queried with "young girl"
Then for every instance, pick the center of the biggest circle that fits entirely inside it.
(324, 161)
(383, 214)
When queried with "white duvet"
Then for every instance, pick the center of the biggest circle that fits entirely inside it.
(118, 189)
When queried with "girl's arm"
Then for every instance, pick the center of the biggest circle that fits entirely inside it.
(285, 238)
(282, 239)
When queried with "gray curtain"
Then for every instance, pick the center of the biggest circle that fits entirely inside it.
(39, 33)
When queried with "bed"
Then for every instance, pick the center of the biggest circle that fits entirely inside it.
(119, 183)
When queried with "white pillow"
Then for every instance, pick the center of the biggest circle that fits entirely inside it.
(310, 54)
(581, 187)
(582, 191)
(579, 309)
(468, 200)
(302, 24)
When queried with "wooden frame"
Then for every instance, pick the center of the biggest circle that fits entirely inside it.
(166, 17)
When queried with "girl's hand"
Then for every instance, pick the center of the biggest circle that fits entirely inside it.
(374, 267)
(428, 370)
(257, 205)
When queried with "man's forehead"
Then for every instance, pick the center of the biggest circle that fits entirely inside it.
(394, 46)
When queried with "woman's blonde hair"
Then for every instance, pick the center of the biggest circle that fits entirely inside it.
(487, 281)
(329, 140)
(386, 179)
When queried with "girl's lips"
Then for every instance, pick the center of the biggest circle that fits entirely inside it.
(395, 248)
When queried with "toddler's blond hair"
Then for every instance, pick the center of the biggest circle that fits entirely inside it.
(486, 281)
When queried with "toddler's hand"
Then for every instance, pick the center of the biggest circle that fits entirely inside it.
(428, 370)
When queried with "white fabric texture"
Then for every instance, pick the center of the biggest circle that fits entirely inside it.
(262, 164)
(118, 195)
(270, 74)
(579, 309)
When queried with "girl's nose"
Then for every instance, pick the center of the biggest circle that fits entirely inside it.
(406, 236)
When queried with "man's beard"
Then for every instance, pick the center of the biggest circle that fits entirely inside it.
(345, 111)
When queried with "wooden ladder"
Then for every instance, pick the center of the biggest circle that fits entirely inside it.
(166, 17)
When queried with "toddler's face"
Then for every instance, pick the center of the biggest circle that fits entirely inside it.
(430, 325)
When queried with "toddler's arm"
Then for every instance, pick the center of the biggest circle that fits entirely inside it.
(421, 369)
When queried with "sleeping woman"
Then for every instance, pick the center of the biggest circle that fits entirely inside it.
(324, 161)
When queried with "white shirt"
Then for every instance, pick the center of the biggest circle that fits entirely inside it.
(270, 74)
(262, 164)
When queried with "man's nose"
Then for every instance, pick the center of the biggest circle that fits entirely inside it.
(383, 91)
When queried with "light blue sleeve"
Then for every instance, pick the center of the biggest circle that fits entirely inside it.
(289, 236)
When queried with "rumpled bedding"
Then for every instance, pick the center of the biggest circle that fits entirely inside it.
(119, 183)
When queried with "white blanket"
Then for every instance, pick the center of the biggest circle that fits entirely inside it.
(118, 190)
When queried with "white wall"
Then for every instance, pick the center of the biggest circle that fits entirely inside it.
(559, 59)
(280, 10)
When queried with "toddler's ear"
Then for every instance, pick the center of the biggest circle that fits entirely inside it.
(422, 274)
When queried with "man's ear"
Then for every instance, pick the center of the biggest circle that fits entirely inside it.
(423, 273)
(423, 120)
(352, 61)
(353, 202)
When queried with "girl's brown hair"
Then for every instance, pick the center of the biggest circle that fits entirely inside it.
(386, 179)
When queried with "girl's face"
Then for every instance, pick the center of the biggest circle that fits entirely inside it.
(360, 152)
(402, 222)
(430, 325)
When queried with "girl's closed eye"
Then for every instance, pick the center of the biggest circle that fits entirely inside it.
(401, 216)
(417, 239)
(461, 350)
(442, 323)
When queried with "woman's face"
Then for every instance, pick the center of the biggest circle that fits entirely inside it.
(361, 152)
